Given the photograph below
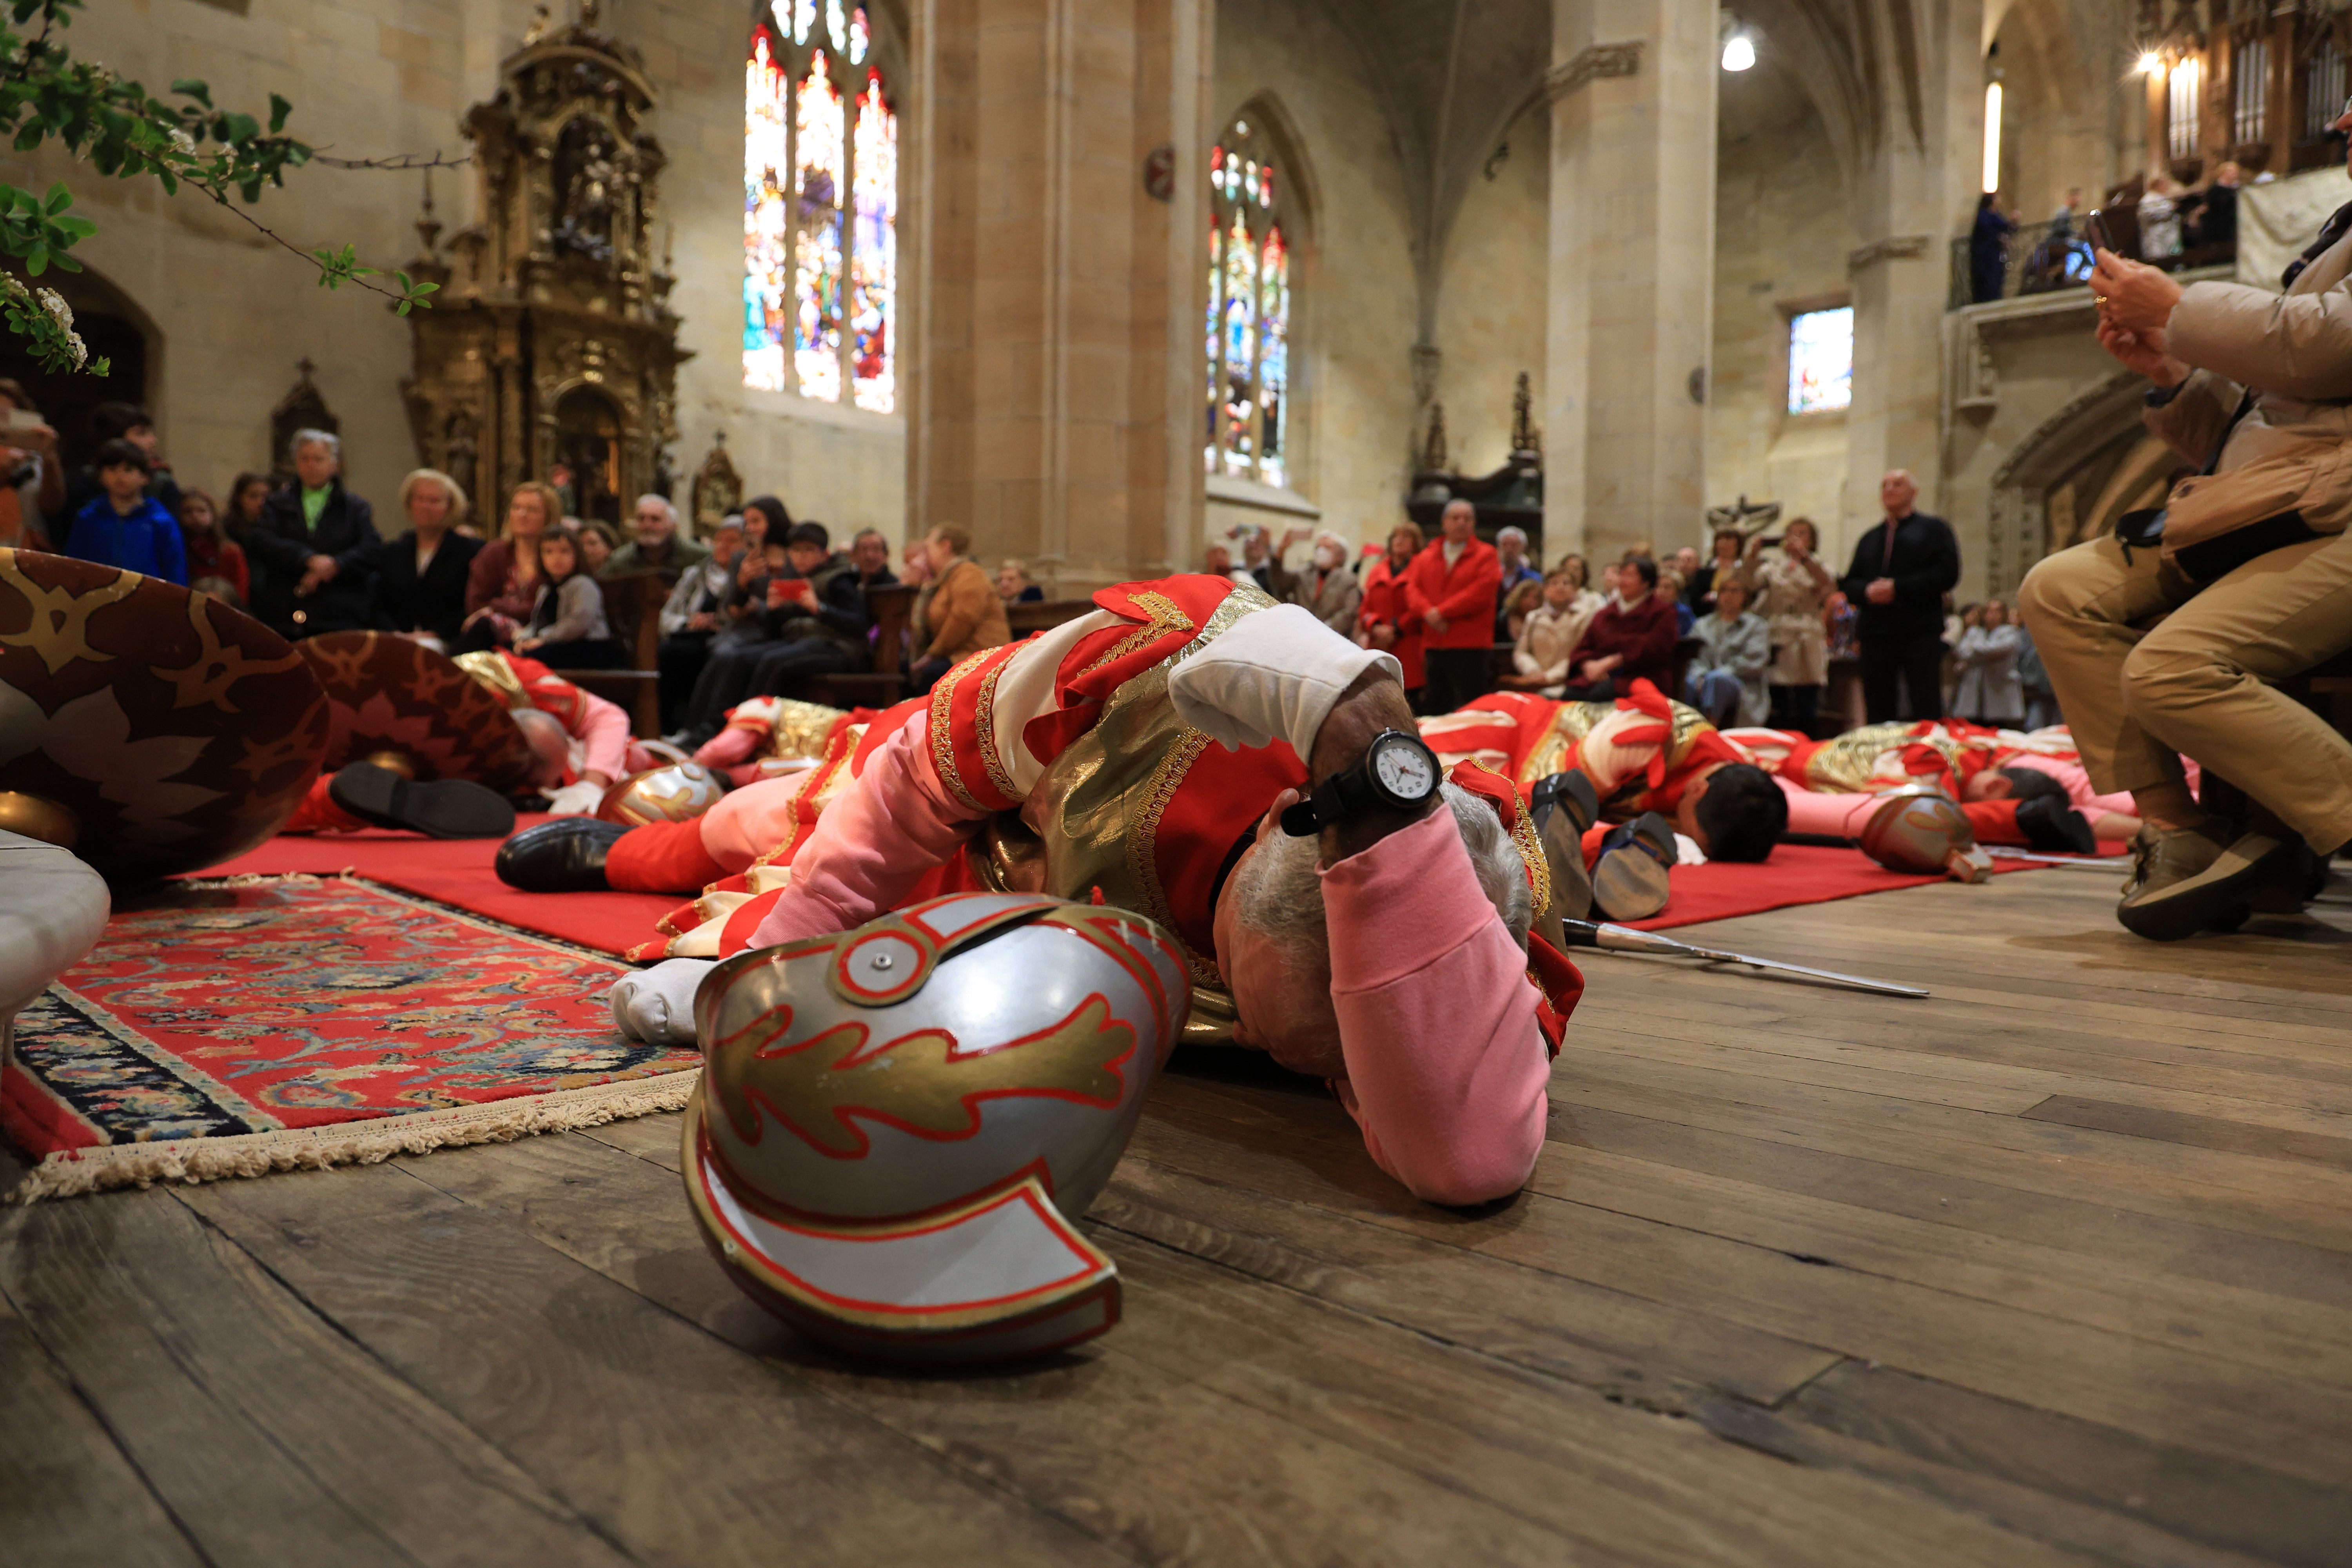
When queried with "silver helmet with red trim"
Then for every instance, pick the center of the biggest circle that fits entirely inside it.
(897, 1124)
(1921, 830)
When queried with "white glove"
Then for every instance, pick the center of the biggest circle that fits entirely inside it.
(580, 799)
(657, 1005)
(1272, 676)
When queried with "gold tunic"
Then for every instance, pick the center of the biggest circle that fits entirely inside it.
(1849, 765)
(1093, 819)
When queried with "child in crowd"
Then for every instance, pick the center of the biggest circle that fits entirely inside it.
(567, 629)
(216, 563)
(121, 526)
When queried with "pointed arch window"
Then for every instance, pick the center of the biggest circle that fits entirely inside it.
(820, 208)
(1248, 335)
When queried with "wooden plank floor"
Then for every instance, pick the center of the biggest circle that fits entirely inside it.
(2056, 1267)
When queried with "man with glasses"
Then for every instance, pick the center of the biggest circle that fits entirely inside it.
(2154, 657)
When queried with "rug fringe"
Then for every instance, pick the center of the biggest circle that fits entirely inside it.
(74, 1172)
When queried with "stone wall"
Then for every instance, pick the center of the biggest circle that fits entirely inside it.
(1490, 310)
(1353, 321)
(1783, 231)
(234, 315)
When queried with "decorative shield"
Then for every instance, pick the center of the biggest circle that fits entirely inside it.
(1920, 830)
(896, 1125)
(675, 792)
(149, 729)
(395, 700)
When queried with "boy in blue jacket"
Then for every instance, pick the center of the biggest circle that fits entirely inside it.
(123, 527)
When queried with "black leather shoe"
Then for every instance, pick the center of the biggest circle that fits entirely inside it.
(2055, 828)
(445, 808)
(566, 855)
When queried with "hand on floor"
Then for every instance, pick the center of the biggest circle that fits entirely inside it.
(580, 799)
(657, 1006)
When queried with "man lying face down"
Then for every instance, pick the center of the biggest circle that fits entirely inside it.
(1148, 752)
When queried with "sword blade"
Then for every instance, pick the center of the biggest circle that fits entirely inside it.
(2094, 862)
(1625, 938)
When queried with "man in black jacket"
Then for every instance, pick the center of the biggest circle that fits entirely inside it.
(1902, 570)
(318, 543)
(817, 623)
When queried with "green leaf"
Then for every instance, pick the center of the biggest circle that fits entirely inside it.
(37, 259)
(188, 87)
(101, 367)
(239, 128)
(60, 198)
(279, 109)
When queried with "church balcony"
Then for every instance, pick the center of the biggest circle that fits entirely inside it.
(2053, 258)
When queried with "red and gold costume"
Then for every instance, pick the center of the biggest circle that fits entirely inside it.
(1059, 765)
(1949, 754)
(1640, 751)
(598, 732)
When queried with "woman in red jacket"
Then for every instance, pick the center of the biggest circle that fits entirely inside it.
(1627, 641)
(1385, 621)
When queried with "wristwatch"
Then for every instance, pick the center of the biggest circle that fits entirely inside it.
(1397, 773)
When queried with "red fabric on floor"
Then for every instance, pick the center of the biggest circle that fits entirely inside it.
(457, 871)
(1796, 874)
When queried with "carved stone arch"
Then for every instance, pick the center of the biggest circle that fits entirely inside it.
(2087, 430)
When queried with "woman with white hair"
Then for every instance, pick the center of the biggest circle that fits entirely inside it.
(1326, 589)
(421, 574)
(318, 543)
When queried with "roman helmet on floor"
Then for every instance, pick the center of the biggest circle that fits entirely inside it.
(897, 1126)
(148, 728)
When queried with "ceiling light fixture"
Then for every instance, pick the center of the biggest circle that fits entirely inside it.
(1738, 52)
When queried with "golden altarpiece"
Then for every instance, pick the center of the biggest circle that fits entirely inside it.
(551, 339)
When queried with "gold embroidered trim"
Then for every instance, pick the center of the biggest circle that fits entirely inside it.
(942, 747)
(1523, 833)
(984, 720)
(1142, 843)
(1166, 618)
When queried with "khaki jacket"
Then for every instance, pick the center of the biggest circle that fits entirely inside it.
(2297, 349)
(960, 614)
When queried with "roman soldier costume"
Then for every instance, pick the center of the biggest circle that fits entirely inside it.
(1061, 765)
(404, 707)
(1945, 754)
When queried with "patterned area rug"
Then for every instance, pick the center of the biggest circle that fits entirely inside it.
(257, 1025)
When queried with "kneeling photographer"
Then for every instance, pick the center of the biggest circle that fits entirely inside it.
(2160, 638)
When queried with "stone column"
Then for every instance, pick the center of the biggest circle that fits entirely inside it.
(1631, 292)
(1057, 304)
(1914, 194)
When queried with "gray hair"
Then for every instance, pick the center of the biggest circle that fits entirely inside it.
(1519, 535)
(1280, 896)
(662, 501)
(327, 438)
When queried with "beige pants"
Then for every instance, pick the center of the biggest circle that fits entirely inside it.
(2195, 682)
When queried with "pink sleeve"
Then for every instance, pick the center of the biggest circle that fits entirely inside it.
(1446, 1068)
(731, 746)
(872, 844)
(1831, 816)
(604, 731)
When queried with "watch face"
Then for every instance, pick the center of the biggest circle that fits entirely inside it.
(1404, 770)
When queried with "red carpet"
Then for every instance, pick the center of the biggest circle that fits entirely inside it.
(458, 872)
(1796, 874)
(219, 1031)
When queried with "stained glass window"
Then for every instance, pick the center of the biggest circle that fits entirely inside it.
(1247, 338)
(820, 208)
(1821, 360)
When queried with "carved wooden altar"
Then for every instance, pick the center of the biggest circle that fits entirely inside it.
(553, 340)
